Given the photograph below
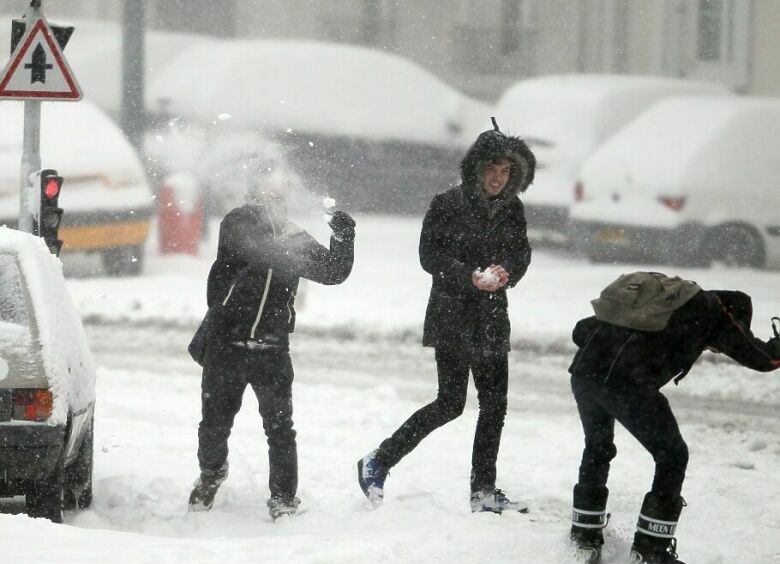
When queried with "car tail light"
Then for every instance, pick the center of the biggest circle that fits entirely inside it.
(579, 192)
(32, 405)
(675, 204)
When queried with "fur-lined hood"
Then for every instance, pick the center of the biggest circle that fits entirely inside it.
(492, 145)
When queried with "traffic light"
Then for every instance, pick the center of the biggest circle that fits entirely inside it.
(50, 213)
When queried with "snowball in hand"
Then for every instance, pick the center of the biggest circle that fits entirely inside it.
(489, 276)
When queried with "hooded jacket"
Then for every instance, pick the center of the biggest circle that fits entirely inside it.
(254, 279)
(463, 231)
(719, 320)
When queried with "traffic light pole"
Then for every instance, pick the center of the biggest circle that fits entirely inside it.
(31, 147)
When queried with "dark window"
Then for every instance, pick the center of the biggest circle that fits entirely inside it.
(709, 38)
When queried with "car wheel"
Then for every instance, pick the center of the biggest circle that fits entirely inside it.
(123, 261)
(45, 498)
(737, 245)
(78, 476)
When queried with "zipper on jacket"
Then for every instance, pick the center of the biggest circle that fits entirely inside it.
(289, 309)
(614, 361)
(267, 283)
(225, 301)
(262, 302)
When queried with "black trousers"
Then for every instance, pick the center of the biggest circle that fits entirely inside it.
(646, 414)
(491, 373)
(227, 369)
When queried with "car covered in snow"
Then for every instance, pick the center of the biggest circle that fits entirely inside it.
(107, 200)
(565, 118)
(372, 129)
(691, 181)
(47, 383)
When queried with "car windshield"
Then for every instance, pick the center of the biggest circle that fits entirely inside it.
(20, 360)
(13, 303)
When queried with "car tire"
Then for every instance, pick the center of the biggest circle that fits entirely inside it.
(123, 261)
(45, 498)
(78, 476)
(737, 245)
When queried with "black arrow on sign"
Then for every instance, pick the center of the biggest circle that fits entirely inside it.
(38, 65)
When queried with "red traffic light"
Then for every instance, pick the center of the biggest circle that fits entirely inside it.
(52, 189)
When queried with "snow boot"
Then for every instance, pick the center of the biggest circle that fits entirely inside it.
(654, 541)
(371, 477)
(205, 488)
(588, 520)
(495, 501)
(281, 505)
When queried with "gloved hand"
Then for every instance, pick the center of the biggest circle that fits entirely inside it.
(343, 226)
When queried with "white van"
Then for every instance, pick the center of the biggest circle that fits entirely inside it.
(692, 180)
(565, 118)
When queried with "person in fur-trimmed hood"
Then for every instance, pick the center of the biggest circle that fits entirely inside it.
(474, 245)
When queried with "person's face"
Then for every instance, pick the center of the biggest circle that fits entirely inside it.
(271, 199)
(495, 176)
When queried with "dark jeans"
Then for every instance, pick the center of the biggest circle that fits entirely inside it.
(227, 370)
(490, 378)
(645, 413)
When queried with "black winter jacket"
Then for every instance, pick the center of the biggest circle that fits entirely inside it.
(458, 237)
(621, 357)
(463, 231)
(254, 280)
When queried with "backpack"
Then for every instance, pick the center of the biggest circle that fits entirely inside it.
(643, 300)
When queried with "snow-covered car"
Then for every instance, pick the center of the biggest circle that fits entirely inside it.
(369, 128)
(565, 118)
(47, 383)
(692, 180)
(107, 201)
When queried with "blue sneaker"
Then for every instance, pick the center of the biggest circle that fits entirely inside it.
(371, 477)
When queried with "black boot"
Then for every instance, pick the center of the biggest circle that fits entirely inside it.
(205, 489)
(281, 505)
(654, 541)
(588, 519)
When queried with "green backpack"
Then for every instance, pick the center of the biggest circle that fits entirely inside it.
(643, 300)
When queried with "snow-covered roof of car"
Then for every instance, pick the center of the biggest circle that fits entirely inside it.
(576, 112)
(692, 142)
(324, 88)
(77, 139)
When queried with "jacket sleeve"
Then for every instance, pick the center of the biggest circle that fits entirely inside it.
(307, 259)
(435, 258)
(734, 339)
(325, 266)
(520, 250)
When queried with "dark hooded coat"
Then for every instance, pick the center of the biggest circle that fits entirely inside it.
(463, 231)
(619, 357)
(253, 282)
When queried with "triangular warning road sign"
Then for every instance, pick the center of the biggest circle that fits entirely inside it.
(38, 70)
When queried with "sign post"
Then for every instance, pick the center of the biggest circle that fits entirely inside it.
(37, 71)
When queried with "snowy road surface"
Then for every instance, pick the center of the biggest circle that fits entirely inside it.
(359, 373)
(349, 395)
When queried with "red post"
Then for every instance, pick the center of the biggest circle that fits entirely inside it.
(179, 215)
